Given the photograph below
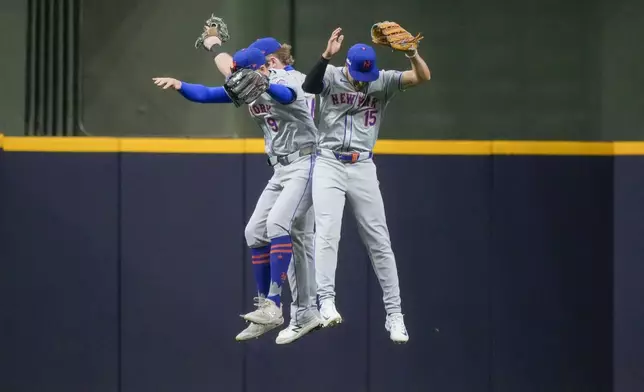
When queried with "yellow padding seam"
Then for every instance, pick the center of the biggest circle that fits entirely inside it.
(256, 146)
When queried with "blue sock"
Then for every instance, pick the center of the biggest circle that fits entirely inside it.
(262, 268)
(281, 253)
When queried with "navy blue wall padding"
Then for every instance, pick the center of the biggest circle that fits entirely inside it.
(59, 227)
(550, 274)
(181, 251)
(629, 270)
(128, 272)
(438, 214)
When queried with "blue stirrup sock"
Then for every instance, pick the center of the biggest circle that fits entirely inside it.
(281, 253)
(262, 269)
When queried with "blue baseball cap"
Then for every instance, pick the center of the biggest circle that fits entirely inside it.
(267, 45)
(361, 62)
(248, 58)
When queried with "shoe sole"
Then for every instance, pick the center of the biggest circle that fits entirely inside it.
(305, 330)
(400, 341)
(261, 334)
(332, 322)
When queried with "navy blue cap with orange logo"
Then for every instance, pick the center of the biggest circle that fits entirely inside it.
(361, 62)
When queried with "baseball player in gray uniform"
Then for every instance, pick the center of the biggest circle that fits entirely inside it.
(290, 135)
(353, 100)
(278, 56)
(301, 279)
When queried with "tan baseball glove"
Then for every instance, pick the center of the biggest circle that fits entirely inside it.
(214, 27)
(391, 34)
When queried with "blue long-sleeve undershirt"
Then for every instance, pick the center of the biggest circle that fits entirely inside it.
(281, 94)
(202, 94)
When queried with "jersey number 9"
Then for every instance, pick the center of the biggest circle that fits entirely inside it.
(272, 124)
(370, 118)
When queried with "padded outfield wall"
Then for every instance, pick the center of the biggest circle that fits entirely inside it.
(124, 269)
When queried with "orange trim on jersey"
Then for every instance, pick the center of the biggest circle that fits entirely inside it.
(266, 261)
(258, 257)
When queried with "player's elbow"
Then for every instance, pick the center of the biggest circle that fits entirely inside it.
(311, 86)
(423, 75)
(311, 89)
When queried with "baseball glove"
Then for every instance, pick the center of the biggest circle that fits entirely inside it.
(245, 86)
(214, 26)
(393, 35)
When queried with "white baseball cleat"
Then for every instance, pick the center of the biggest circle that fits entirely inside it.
(395, 324)
(267, 312)
(329, 314)
(295, 331)
(254, 331)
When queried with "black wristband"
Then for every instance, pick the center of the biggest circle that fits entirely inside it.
(214, 50)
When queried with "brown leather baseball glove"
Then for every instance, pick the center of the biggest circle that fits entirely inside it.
(391, 34)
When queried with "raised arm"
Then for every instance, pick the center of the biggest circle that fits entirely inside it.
(223, 60)
(313, 83)
(224, 63)
(418, 73)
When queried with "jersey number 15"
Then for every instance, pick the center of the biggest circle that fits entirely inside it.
(370, 118)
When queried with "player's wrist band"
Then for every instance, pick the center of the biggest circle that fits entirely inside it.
(412, 56)
(214, 50)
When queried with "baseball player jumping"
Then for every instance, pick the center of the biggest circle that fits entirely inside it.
(277, 103)
(301, 272)
(301, 280)
(353, 99)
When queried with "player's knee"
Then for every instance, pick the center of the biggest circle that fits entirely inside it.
(275, 228)
(254, 235)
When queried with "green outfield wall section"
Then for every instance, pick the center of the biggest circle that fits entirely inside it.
(524, 70)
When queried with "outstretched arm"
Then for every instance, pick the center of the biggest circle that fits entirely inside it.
(194, 92)
(202, 94)
(418, 73)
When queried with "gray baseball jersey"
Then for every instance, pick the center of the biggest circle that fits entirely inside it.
(287, 128)
(349, 119)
